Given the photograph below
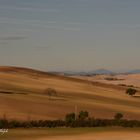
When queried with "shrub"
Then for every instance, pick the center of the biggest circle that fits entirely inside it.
(118, 116)
(131, 91)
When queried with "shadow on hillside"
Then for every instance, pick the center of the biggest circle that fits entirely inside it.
(136, 96)
(57, 99)
(7, 92)
(10, 92)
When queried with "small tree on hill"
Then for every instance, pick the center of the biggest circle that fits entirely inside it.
(50, 92)
(118, 116)
(131, 91)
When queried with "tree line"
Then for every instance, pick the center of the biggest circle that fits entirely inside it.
(71, 120)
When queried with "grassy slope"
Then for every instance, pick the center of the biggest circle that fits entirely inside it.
(28, 101)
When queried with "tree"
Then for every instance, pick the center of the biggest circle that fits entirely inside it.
(50, 92)
(83, 115)
(70, 117)
(118, 116)
(131, 91)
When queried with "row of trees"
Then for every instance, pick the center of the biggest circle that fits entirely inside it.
(72, 120)
(84, 115)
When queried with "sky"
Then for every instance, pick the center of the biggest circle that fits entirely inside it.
(80, 35)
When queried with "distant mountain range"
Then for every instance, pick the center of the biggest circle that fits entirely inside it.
(101, 71)
(134, 71)
(94, 72)
(66, 73)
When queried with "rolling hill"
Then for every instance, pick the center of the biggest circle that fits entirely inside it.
(22, 96)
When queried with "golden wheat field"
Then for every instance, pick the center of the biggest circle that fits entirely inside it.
(22, 96)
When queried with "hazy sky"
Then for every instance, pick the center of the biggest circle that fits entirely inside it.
(70, 34)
